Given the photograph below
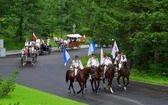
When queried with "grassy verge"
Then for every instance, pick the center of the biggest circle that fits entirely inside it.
(13, 44)
(146, 78)
(28, 96)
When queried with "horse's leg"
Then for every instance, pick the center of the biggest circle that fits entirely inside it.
(80, 87)
(118, 80)
(105, 87)
(85, 86)
(110, 85)
(125, 87)
(97, 87)
(72, 86)
(127, 81)
(69, 91)
(95, 84)
(92, 84)
(124, 84)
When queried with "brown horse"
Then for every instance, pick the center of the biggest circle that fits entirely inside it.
(124, 73)
(70, 76)
(110, 73)
(82, 77)
(96, 77)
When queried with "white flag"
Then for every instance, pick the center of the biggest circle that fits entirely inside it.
(114, 50)
(101, 56)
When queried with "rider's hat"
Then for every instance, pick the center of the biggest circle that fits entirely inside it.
(76, 56)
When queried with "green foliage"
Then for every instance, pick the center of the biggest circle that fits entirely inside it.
(27, 96)
(143, 76)
(14, 103)
(8, 85)
(140, 28)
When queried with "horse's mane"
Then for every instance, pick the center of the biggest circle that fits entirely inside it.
(125, 64)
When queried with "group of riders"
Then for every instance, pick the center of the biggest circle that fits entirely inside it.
(30, 48)
(93, 62)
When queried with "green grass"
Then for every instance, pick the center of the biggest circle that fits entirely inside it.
(28, 96)
(13, 44)
(146, 78)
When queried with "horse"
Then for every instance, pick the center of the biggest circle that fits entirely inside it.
(110, 73)
(82, 77)
(96, 77)
(124, 73)
(70, 76)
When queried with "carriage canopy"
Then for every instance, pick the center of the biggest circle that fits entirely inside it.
(73, 35)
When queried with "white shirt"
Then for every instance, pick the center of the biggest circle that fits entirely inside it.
(77, 63)
(107, 61)
(28, 43)
(94, 62)
(123, 58)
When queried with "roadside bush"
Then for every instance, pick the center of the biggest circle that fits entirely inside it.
(8, 85)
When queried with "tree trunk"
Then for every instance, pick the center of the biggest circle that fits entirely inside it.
(20, 28)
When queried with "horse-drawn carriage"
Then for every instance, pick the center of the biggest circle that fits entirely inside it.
(71, 41)
(43, 46)
(28, 55)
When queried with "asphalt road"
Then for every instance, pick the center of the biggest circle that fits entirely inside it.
(48, 75)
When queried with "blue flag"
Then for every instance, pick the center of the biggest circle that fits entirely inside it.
(92, 47)
(66, 56)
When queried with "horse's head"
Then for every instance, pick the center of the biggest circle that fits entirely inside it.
(113, 70)
(101, 68)
(126, 65)
(87, 70)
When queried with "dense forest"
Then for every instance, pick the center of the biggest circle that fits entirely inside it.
(140, 27)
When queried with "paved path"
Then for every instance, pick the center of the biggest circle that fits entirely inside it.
(48, 75)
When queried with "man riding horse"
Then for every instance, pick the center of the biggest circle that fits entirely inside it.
(106, 62)
(76, 65)
(93, 62)
(120, 59)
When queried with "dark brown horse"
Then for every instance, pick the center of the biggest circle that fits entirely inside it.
(82, 77)
(110, 73)
(96, 77)
(70, 76)
(124, 73)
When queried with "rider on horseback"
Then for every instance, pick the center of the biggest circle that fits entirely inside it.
(107, 62)
(93, 62)
(120, 59)
(76, 65)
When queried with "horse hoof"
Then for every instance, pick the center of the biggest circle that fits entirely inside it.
(111, 90)
(69, 91)
(125, 88)
(106, 88)
(119, 86)
(85, 89)
(74, 93)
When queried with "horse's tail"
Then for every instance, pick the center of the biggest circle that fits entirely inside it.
(66, 77)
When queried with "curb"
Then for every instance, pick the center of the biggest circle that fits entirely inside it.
(17, 52)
